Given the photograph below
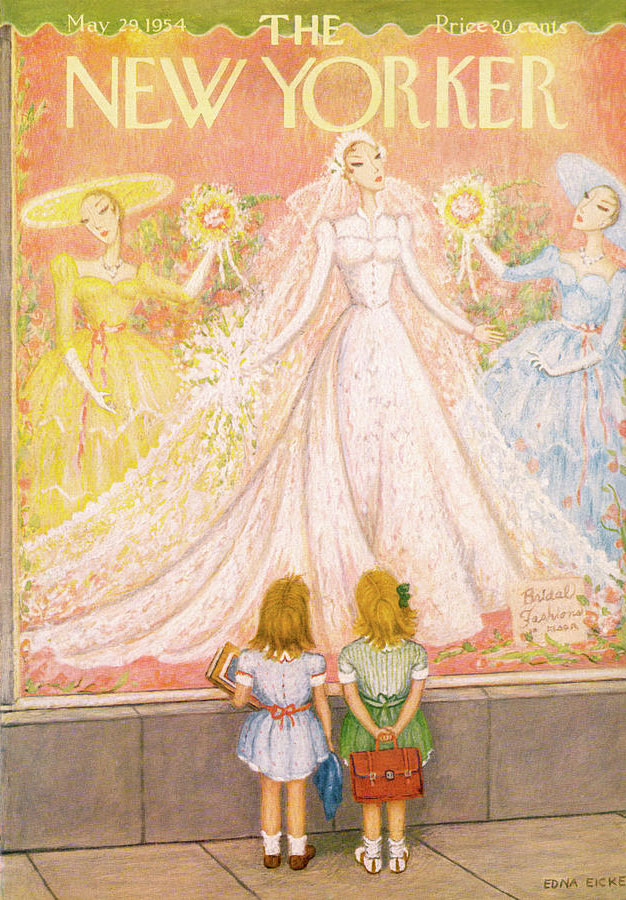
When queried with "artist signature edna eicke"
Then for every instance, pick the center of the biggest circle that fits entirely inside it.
(605, 882)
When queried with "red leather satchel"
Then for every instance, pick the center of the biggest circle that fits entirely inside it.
(381, 775)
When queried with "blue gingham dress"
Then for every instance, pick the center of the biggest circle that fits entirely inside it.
(281, 743)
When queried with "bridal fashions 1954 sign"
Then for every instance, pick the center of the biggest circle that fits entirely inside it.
(316, 301)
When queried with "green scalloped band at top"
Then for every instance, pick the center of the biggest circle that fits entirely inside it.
(368, 16)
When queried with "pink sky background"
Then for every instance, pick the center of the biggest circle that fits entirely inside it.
(249, 148)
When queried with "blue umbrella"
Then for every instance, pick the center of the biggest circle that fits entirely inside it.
(329, 783)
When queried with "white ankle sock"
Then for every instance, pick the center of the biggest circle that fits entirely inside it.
(271, 843)
(373, 848)
(397, 849)
(297, 845)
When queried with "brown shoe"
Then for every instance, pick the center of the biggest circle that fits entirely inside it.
(271, 861)
(301, 862)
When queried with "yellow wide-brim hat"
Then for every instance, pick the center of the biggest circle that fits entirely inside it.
(62, 207)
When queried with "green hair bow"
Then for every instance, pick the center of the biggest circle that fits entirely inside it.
(404, 595)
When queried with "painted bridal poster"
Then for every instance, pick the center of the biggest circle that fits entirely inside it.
(315, 298)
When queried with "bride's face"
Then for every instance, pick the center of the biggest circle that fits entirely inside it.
(597, 210)
(100, 215)
(365, 166)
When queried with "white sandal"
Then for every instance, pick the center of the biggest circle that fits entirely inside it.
(398, 856)
(369, 855)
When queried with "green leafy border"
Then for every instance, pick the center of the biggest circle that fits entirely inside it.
(243, 18)
(554, 653)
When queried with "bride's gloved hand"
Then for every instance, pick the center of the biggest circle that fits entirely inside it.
(487, 334)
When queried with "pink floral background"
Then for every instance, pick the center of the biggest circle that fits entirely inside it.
(249, 148)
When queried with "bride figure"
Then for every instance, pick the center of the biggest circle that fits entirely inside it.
(364, 459)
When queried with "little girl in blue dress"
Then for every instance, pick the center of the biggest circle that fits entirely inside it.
(383, 674)
(284, 740)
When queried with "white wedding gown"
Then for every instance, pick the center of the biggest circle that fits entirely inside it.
(370, 469)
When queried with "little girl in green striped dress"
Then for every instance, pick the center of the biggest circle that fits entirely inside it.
(383, 674)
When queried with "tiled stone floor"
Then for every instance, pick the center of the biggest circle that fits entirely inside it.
(574, 857)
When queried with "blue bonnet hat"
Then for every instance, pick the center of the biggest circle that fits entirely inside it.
(578, 174)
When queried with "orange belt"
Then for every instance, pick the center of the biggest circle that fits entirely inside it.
(279, 712)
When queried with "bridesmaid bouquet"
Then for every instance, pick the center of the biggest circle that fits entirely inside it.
(467, 207)
(213, 218)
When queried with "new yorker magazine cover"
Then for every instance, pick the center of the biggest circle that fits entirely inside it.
(316, 294)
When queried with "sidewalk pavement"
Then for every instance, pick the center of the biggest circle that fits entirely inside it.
(575, 857)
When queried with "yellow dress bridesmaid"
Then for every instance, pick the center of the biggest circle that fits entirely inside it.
(96, 402)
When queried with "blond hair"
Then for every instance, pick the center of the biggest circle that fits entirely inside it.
(347, 168)
(381, 619)
(284, 621)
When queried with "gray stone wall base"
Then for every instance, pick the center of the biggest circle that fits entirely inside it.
(169, 772)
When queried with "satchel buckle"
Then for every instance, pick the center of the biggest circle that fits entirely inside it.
(407, 773)
(372, 777)
(389, 775)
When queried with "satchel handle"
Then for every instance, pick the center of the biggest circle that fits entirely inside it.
(394, 739)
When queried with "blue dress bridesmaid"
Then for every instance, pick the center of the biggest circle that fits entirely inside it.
(557, 389)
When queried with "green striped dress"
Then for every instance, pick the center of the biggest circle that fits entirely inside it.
(383, 679)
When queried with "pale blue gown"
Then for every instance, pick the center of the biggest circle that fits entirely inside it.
(568, 426)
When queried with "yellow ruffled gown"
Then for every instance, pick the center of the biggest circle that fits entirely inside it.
(74, 450)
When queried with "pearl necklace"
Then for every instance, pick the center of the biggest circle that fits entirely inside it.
(112, 268)
(590, 260)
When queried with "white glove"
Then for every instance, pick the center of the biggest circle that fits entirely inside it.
(578, 365)
(194, 283)
(78, 371)
(492, 259)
